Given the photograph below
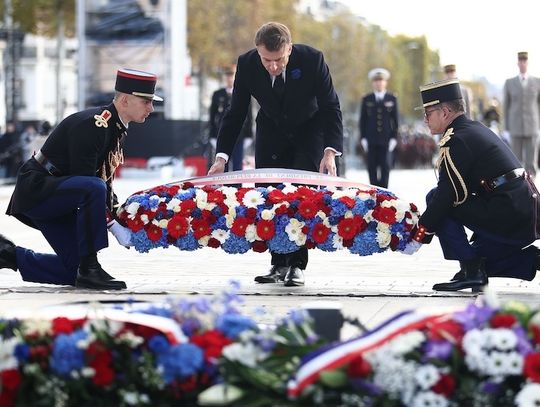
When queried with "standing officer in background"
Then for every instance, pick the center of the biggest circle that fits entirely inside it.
(481, 187)
(299, 124)
(221, 99)
(522, 114)
(451, 73)
(65, 190)
(378, 127)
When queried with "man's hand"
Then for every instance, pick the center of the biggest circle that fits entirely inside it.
(412, 247)
(328, 163)
(364, 144)
(392, 144)
(218, 167)
(121, 233)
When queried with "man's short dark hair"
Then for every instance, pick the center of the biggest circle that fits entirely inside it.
(273, 36)
(456, 105)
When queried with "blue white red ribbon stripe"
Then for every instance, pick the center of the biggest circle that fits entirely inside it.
(277, 175)
(342, 353)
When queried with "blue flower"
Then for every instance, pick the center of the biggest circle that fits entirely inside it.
(180, 361)
(22, 352)
(158, 344)
(191, 326)
(236, 244)
(66, 356)
(365, 244)
(187, 242)
(233, 324)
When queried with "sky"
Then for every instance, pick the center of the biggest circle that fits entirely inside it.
(481, 37)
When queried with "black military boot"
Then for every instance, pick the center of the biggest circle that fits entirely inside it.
(275, 275)
(460, 275)
(8, 258)
(474, 277)
(91, 275)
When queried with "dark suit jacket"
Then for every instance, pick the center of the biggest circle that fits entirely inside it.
(378, 120)
(77, 146)
(220, 103)
(509, 211)
(292, 134)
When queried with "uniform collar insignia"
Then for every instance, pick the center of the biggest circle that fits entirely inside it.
(102, 119)
(446, 136)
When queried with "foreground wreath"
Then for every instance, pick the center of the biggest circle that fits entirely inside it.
(365, 220)
(205, 352)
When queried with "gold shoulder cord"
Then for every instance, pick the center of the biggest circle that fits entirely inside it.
(446, 158)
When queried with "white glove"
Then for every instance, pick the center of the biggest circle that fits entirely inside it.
(364, 144)
(248, 141)
(412, 247)
(392, 144)
(213, 142)
(121, 233)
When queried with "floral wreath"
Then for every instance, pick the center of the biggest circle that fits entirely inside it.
(281, 219)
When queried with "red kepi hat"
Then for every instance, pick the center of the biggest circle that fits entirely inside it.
(137, 83)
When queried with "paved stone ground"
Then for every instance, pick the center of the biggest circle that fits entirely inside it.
(370, 288)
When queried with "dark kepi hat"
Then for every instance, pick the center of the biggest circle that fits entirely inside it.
(137, 83)
(523, 55)
(439, 92)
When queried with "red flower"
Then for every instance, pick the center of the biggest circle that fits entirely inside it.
(154, 232)
(394, 241)
(414, 208)
(216, 197)
(189, 384)
(200, 228)
(320, 233)
(445, 386)
(259, 246)
(305, 193)
(531, 369)
(214, 243)
(359, 367)
(348, 201)
(211, 342)
(535, 331)
(282, 210)
(178, 226)
(266, 229)
(307, 209)
(10, 380)
(135, 224)
(62, 325)
(239, 226)
(7, 398)
(186, 207)
(386, 215)
(276, 196)
(100, 360)
(347, 228)
(503, 321)
(208, 216)
(360, 222)
(187, 185)
(448, 330)
(251, 213)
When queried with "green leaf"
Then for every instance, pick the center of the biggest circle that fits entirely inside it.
(334, 378)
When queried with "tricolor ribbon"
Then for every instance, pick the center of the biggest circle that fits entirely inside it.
(339, 354)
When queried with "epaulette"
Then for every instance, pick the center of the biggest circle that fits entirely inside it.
(102, 119)
(446, 136)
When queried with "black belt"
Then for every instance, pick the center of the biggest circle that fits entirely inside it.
(45, 163)
(503, 179)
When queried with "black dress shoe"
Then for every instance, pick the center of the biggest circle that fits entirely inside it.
(91, 275)
(275, 275)
(474, 277)
(295, 277)
(8, 257)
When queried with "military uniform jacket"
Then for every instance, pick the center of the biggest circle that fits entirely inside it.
(522, 106)
(220, 103)
(308, 119)
(378, 120)
(79, 145)
(470, 153)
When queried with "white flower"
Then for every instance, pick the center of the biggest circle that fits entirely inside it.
(132, 209)
(429, 399)
(495, 364)
(267, 214)
(201, 199)
(230, 217)
(251, 233)
(203, 241)
(337, 242)
(395, 375)
(130, 339)
(88, 371)
(348, 192)
(477, 361)
(289, 188)
(513, 363)
(383, 235)
(220, 235)
(427, 376)
(40, 327)
(473, 341)
(502, 338)
(252, 199)
(407, 342)
(322, 216)
(144, 218)
(294, 231)
(163, 223)
(7, 351)
(246, 354)
(174, 205)
(529, 396)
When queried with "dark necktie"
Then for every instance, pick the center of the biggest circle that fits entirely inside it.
(279, 88)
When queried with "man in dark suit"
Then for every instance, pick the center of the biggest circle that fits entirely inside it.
(221, 99)
(378, 127)
(65, 190)
(299, 123)
(482, 187)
